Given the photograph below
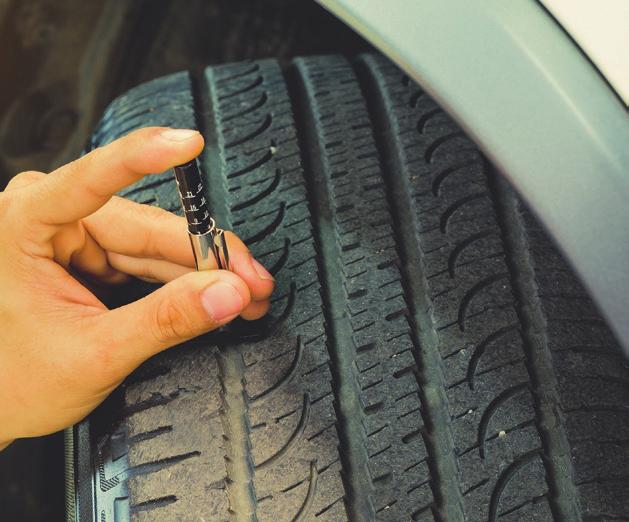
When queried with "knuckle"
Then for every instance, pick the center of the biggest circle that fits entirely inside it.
(155, 216)
(5, 203)
(149, 271)
(151, 212)
(87, 161)
(171, 322)
(24, 179)
(13, 203)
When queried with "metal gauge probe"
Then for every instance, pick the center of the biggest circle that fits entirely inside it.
(207, 240)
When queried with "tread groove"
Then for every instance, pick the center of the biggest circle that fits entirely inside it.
(234, 412)
(563, 496)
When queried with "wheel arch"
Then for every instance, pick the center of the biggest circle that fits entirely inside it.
(538, 108)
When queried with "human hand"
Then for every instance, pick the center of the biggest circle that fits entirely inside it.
(61, 350)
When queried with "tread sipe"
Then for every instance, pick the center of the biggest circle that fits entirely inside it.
(429, 356)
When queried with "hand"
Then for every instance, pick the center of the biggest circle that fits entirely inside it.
(61, 350)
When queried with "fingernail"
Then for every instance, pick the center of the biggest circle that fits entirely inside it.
(261, 271)
(179, 134)
(221, 300)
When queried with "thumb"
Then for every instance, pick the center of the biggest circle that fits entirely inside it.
(189, 306)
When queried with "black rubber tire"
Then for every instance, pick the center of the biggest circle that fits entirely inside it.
(429, 356)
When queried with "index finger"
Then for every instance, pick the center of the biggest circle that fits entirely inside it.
(78, 189)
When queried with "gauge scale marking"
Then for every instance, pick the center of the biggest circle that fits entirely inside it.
(205, 237)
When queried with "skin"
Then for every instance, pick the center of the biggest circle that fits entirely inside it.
(61, 350)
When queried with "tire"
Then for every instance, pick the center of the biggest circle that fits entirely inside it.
(429, 355)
